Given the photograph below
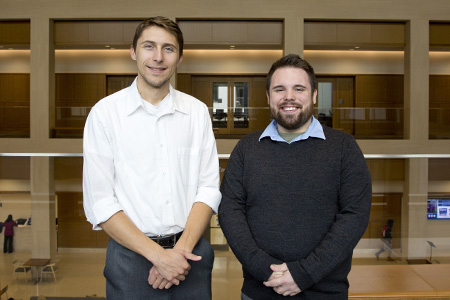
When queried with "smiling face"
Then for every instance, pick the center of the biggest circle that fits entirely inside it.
(291, 99)
(157, 58)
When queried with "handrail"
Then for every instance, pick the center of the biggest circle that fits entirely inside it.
(227, 156)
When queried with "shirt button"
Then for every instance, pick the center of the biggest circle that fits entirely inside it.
(161, 145)
(167, 202)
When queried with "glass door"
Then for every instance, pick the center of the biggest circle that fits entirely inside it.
(231, 100)
(220, 104)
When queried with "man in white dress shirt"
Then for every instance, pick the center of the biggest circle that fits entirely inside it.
(151, 177)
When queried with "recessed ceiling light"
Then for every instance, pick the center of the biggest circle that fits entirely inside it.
(107, 46)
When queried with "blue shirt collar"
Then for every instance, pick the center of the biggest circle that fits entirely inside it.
(314, 130)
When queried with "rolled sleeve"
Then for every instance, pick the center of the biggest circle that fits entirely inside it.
(209, 196)
(209, 178)
(99, 201)
(102, 210)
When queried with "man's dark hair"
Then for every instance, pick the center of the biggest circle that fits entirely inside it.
(292, 61)
(164, 23)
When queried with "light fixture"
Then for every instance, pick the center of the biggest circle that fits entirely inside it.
(232, 47)
(107, 46)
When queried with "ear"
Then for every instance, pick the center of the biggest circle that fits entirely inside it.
(314, 97)
(132, 53)
(268, 98)
(180, 60)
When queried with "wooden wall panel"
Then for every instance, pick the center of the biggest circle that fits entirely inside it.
(320, 32)
(15, 105)
(358, 33)
(108, 32)
(116, 83)
(15, 33)
(67, 32)
(75, 95)
(381, 99)
(94, 34)
(439, 106)
(440, 34)
(184, 83)
(344, 35)
(242, 34)
(202, 90)
(259, 113)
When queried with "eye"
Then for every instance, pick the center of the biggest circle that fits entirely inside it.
(169, 49)
(148, 46)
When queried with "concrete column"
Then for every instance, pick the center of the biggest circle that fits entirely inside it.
(414, 209)
(294, 33)
(416, 97)
(42, 78)
(416, 104)
(43, 214)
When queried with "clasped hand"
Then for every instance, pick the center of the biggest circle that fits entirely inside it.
(171, 268)
(281, 281)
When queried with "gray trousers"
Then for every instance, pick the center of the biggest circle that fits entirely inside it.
(126, 274)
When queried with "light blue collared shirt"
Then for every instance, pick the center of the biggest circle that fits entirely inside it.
(314, 130)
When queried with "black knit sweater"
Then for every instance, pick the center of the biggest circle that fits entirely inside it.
(306, 203)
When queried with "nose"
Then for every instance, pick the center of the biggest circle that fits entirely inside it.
(158, 55)
(289, 94)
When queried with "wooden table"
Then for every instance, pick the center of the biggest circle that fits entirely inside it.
(36, 264)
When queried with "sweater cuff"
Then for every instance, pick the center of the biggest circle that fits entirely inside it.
(300, 276)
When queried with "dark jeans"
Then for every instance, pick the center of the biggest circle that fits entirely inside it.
(126, 274)
(8, 244)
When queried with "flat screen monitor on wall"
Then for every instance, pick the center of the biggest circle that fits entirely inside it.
(438, 208)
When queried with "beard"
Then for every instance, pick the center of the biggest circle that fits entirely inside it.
(294, 121)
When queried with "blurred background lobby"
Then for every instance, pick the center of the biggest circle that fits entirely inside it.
(383, 70)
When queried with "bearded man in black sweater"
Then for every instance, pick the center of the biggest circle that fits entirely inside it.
(296, 197)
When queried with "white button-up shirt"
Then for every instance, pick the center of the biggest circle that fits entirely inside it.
(152, 163)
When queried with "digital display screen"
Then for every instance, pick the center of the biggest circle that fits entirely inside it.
(438, 208)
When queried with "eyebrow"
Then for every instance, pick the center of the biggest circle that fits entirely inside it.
(283, 86)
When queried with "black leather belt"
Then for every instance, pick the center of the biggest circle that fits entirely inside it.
(167, 241)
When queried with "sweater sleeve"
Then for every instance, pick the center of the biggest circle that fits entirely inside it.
(233, 220)
(355, 198)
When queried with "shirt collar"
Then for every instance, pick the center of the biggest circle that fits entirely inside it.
(314, 130)
(134, 100)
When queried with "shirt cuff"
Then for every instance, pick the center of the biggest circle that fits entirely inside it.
(209, 196)
(103, 210)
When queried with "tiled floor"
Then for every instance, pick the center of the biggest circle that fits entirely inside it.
(81, 274)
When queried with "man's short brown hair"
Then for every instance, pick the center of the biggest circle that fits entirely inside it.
(164, 23)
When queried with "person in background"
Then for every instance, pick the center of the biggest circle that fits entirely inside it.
(386, 234)
(296, 197)
(151, 177)
(8, 227)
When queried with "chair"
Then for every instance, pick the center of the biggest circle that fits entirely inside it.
(4, 291)
(50, 269)
(20, 268)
